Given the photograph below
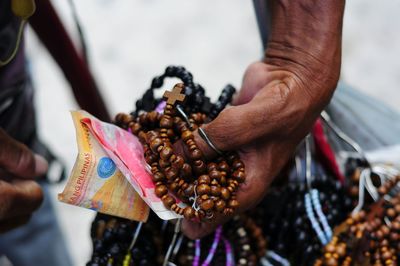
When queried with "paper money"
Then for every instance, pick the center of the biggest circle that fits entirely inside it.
(126, 152)
(96, 183)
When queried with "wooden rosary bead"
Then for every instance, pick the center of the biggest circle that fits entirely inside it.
(220, 205)
(225, 194)
(171, 173)
(158, 177)
(166, 122)
(237, 164)
(189, 191)
(239, 176)
(135, 128)
(187, 135)
(228, 211)
(168, 201)
(152, 117)
(173, 187)
(199, 167)
(203, 189)
(163, 164)
(215, 191)
(233, 204)
(142, 136)
(157, 142)
(189, 213)
(166, 152)
(223, 166)
(204, 179)
(161, 190)
(211, 166)
(207, 205)
(195, 154)
(186, 171)
(215, 174)
(177, 162)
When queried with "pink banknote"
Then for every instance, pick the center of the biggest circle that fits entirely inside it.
(127, 153)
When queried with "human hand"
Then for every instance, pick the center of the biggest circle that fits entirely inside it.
(19, 194)
(280, 97)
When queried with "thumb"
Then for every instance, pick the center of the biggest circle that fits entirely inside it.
(18, 160)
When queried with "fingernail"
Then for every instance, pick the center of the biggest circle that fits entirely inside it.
(41, 165)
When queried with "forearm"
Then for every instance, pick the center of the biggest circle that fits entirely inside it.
(305, 39)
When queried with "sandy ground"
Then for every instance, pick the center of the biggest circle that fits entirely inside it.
(131, 41)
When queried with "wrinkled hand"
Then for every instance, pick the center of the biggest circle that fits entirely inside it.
(19, 194)
(280, 97)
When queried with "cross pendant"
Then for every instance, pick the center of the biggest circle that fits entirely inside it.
(174, 96)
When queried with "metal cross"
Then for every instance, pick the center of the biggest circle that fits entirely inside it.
(175, 95)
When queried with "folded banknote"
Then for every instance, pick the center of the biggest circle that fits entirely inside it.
(111, 166)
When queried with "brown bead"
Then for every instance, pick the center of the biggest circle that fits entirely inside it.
(233, 204)
(178, 162)
(215, 174)
(211, 166)
(225, 193)
(228, 211)
(171, 173)
(189, 191)
(386, 255)
(204, 179)
(195, 154)
(331, 262)
(391, 213)
(199, 167)
(223, 166)
(168, 201)
(385, 230)
(186, 171)
(158, 176)
(173, 186)
(163, 163)
(207, 205)
(220, 205)
(239, 176)
(186, 135)
(215, 191)
(341, 250)
(382, 190)
(152, 117)
(157, 142)
(203, 189)
(166, 122)
(394, 237)
(189, 213)
(330, 248)
(150, 159)
(143, 118)
(135, 128)
(161, 191)
(237, 164)
(166, 153)
(170, 133)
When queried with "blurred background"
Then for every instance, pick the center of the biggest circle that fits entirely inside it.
(129, 42)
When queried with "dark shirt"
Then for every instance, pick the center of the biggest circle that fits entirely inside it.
(17, 116)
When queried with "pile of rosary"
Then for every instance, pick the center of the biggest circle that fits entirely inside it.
(308, 217)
